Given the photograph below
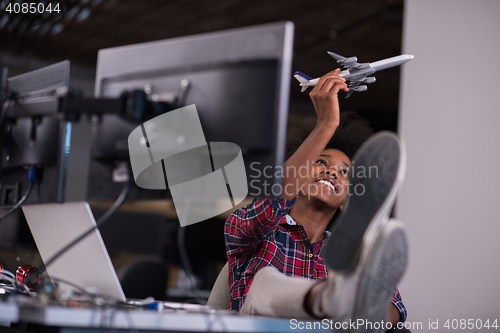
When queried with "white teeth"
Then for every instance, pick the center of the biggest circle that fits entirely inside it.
(327, 183)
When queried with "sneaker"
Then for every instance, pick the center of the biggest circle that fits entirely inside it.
(375, 179)
(359, 300)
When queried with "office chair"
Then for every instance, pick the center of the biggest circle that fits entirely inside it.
(144, 277)
(220, 295)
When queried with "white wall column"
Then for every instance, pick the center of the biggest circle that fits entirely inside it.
(450, 122)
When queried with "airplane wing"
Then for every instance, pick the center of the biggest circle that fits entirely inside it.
(348, 63)
(355, 86)
(352, 86)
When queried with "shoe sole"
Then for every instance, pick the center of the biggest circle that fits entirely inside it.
(384, 154)
(385, 263)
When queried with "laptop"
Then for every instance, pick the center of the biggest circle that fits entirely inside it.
(87, 264)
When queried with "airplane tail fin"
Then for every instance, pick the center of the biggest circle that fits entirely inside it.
(303, 79)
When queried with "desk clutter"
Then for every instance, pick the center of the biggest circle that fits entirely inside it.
(76, 150)
(31, 313)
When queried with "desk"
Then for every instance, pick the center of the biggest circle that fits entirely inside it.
(72, 320)
(9, 313)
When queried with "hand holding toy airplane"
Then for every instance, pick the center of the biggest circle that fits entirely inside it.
(355, 72)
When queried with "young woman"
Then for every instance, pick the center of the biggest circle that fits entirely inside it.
(289, 234)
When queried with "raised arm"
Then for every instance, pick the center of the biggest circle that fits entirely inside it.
(325, 100)
(250, 225)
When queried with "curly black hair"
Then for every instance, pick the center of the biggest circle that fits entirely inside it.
(353, 130)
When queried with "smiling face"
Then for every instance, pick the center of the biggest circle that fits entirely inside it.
(328, 180)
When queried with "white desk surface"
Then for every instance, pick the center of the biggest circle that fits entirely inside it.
(9, 313)
(169, 320)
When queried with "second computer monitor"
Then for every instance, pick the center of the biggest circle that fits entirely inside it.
(238, 79)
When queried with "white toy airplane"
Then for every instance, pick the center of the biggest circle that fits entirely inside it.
(355, 72)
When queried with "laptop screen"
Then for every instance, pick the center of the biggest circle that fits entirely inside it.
(87, 264)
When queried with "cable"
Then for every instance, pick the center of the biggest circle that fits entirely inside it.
(9, 276)
(31, 171)
(75, 286)
(102, 219)
(4, 271)
(32, 180)
(187, 266)
(5, 107)
(96, 299)
(18, 204)
(209, 320)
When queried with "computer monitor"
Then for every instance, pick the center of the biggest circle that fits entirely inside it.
(239, 81)
(42, 140)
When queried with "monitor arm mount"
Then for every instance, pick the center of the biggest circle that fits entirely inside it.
(136, 106)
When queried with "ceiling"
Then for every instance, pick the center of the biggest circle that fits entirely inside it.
(368, 29)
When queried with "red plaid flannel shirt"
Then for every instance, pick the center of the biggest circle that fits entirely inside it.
(259, 235)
